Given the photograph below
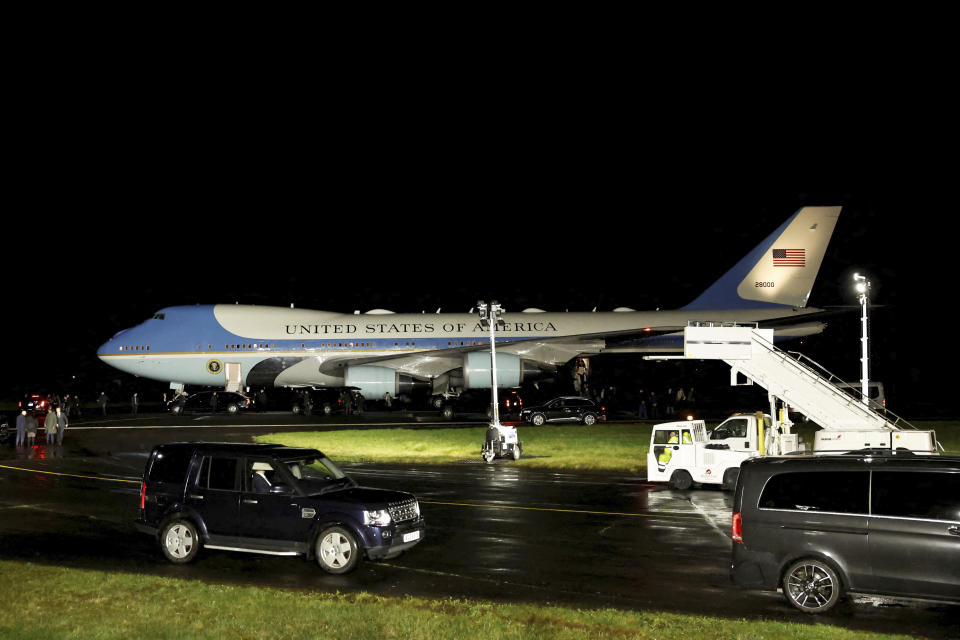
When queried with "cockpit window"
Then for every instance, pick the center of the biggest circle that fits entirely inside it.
(159, 316)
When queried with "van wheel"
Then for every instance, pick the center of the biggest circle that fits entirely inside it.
(730, 479)
(811, 586)
(680, 480)
(337, 550)
(179, 541)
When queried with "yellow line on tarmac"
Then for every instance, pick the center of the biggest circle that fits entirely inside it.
(450, 504)
(582, 511)
(69, 475)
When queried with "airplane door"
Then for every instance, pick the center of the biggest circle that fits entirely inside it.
(233, 376)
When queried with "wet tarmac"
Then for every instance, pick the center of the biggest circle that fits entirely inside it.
(495, 532)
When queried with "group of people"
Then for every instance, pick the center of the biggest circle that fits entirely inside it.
(54, 424)
(650, 404)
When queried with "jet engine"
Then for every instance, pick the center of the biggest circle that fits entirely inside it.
(374, 381)
(511, 370)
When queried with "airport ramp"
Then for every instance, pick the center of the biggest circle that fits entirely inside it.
(791, 377)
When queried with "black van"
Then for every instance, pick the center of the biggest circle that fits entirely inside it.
(265, 498)
(817, 527)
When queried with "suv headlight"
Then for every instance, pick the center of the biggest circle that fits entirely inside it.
(379, 517)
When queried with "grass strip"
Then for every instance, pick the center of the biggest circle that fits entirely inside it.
(620, 448)
(100, 605)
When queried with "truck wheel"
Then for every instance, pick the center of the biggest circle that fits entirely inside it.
(487, 455)
(516, 452)
(681, 480)
(811, 585)
(337, 550)
(179, 541)
(589, 419)
(730, 479)
(537, 419)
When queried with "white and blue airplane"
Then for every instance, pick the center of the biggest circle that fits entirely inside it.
(238, 346)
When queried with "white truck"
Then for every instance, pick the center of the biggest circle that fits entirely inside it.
(682, 453)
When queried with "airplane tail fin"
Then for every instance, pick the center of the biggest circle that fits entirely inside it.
(781, 270)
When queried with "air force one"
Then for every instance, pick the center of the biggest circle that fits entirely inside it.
(237, 346)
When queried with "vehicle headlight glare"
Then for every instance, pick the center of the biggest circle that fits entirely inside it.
(378, 517)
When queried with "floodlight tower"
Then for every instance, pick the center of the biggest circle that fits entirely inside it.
(862, 286)
(490, 317)
(501, 440)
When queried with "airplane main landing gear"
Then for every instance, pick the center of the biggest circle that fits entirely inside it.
(501, 442)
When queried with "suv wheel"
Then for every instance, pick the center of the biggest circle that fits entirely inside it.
(680, 480)
(232, 408)
(812, 586)
(179, 541)
(337, 550)
(447, 412)
(327, 409)
(537, 419)
(589, 419)
(176, 409)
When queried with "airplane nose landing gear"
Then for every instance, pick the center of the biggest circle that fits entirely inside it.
(501, 442)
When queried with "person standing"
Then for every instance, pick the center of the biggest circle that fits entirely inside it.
(50, 426)
(213, 402)
(102, 401)
(31, 429)
(62, 423)
(388, 401)
(134, 403)
(21, 427)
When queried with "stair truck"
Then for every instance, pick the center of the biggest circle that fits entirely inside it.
(681, 453)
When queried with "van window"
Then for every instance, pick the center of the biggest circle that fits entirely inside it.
(909, 494)
(171, 465)
(827, 491)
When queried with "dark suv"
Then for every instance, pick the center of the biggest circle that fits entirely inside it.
(565, 409)
(818, 527)
(271, 499)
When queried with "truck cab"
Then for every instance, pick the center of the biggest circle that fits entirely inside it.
(682, 453)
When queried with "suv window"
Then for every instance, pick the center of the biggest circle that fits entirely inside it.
(833, 491)
(933, 496)
(171, 466)
(218, 473)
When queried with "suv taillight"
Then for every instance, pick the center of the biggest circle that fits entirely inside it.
(143, 495)
(737, 529)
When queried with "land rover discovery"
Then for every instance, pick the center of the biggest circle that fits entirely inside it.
(265, 498)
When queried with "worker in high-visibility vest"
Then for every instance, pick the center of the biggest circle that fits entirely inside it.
(667, 452)
(686, 438)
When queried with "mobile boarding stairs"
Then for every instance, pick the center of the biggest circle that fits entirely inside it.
(848, 422)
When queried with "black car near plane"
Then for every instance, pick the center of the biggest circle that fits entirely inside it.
(271, 499)
(565, 409)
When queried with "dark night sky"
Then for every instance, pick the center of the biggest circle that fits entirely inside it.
(120, 220)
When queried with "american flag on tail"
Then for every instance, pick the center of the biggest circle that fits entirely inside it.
(789, 257)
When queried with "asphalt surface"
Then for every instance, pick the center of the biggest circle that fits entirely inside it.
(494, 532)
